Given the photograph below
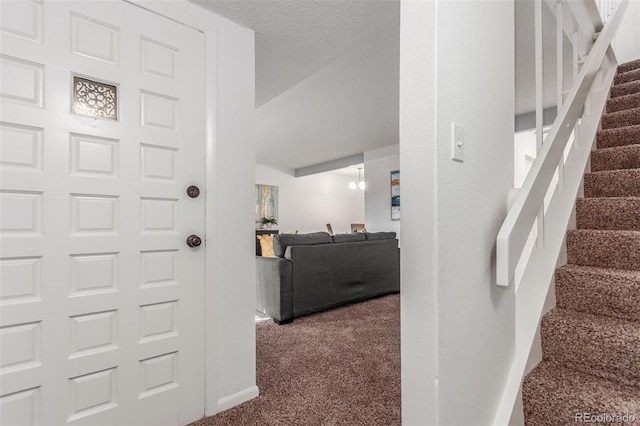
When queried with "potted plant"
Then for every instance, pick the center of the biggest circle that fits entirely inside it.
(268, 221)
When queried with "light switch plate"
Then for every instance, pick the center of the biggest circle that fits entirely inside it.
(457, 142)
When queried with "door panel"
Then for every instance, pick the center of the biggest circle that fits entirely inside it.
(101, 300)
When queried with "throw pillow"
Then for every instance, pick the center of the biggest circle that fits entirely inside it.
(266, 245)
(293, 232)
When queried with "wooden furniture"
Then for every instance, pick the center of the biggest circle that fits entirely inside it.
(263, 232)
(358, 227)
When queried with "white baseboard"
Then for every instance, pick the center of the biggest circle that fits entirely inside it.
(236, 399)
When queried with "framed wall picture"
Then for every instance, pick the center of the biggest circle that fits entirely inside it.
(266, 202)
(395, 195)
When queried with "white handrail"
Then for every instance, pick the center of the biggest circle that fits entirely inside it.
(581, 113)
(514, 232)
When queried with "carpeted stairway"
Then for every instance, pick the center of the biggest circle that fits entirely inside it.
(590, 372)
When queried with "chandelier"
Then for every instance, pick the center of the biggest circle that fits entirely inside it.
(359, 184)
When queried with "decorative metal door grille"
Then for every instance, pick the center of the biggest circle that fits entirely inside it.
(95, 99)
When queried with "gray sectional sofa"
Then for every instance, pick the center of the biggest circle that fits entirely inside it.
(314, 272)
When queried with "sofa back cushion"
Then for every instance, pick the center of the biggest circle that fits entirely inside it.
(328, 275)
(374, 236)
(349, 238)
(282, 241)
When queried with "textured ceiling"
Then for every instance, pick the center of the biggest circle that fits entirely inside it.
(327, 74)
(348, 107)
(295, 38)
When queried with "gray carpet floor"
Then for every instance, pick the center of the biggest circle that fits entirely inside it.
(339, 367)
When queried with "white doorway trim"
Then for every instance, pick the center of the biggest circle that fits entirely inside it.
(230, 369)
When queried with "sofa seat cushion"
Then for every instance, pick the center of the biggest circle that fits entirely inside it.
(282, 241)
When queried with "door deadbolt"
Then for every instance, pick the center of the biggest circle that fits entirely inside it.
(193, 191)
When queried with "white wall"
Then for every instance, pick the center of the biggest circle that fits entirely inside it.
(475, 69)
(344, 108)
(231, 351)
(457, 61)
(308, 203)
(419, 304)
(378, 165)
(627, 40)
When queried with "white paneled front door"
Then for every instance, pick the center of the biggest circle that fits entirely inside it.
(101, 299)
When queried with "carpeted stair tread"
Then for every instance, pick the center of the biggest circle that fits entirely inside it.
(591, 339)
(625, 89)
(612, 183)
(604, 249)
(602, 346)
(623, 102)
(628, 117)
(628, 66)
(616, 158)
(599, 291)
(608, 213)
(625, 77)
(553, 396)
(621, 136)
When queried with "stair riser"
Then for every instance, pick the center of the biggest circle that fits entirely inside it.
(597, 348)
(609, 295)
(629, 66)
(619, 137)
(616, 183)
(623, 102)
(621, 119)
(604, 249)
(626, 157)
(608, 214)
(626, 77)
(625, 89)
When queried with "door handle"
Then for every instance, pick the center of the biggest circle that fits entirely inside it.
(193, 241)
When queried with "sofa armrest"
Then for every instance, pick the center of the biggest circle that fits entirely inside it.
(274, 288)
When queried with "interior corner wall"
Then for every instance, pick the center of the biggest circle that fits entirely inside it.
(308, 203)
(230, 240)
(458, 330)
(627, 39)
(378, 165)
